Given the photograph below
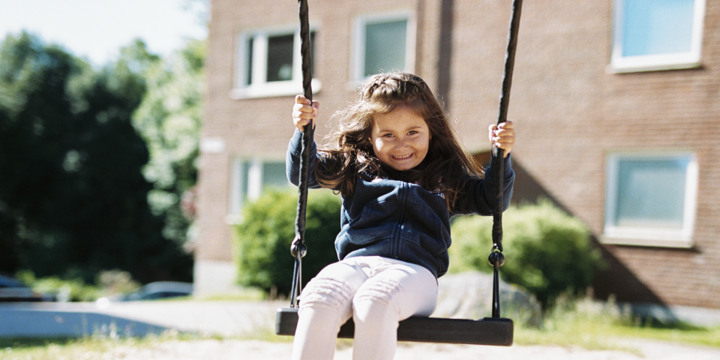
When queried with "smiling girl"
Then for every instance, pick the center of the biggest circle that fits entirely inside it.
(402, 176)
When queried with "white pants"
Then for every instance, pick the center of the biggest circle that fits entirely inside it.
(376, 292)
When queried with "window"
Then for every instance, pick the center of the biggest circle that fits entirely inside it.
(382, 44)
(250, 178)
(657, 34)
(650, 199)
(269, 64)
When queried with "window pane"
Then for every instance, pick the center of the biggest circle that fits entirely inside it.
(385, 47)
(652, 27)
(651, 192)
(245, 180)
(274, 174)
(280, 58)
(313, 58)
(249, 61)
(312, 52)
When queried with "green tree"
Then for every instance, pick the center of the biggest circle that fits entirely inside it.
(169, 120)
(34, 143)
(72, 195)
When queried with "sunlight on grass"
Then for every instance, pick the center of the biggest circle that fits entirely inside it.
(573, 331)
(66, 349)
(265, 333)
(597, 325)
(244, 294)
(86, 348)
(696, 336)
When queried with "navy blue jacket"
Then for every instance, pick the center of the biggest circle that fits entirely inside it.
(401, 220)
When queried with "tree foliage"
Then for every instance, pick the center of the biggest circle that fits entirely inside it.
(169, 119)
(73, 199)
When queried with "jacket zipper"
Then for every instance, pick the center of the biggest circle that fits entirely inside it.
(401, 220)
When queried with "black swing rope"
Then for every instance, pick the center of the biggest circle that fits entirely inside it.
(298, 249)
(487, 331)
(496, 257)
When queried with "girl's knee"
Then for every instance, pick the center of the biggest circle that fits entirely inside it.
(379, 290)
(376, 300)
(326, 292)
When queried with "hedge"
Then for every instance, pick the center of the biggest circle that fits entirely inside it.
(547, 251)
(262, 239)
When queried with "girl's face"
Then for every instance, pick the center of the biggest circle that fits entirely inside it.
(400, 138)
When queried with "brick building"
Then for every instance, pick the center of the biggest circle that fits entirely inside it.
(618, 128)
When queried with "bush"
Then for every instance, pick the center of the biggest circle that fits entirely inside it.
(547, 251)
(263, 238)
(116, 282)
(59, 288)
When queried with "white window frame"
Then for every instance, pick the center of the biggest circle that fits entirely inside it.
(259, 87)
(647, 236)
(684, 60)
(357, 65)
(250, 177)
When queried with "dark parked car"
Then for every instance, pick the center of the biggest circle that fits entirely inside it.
(15, 290)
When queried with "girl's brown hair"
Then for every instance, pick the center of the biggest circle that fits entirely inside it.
(351, 151)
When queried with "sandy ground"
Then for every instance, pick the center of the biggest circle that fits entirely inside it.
(260, 350)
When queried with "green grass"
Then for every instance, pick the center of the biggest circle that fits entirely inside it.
(92, 347)
(694, 336)
(598, 326)
(244, 294)
(89, 347)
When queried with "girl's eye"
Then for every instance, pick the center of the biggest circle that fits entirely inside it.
(388, 135)
(412, 132)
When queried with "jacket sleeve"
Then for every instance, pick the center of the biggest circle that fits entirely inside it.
(292, 161)
(479, 195)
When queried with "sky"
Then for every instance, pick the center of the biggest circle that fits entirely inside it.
(97, 29)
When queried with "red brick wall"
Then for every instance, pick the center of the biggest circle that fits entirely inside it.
(569, 108)
(262, 127)
(571, 111)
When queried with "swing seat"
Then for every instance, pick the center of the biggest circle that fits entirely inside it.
(486, 331)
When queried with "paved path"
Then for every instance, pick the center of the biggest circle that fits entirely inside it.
(136, 318)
